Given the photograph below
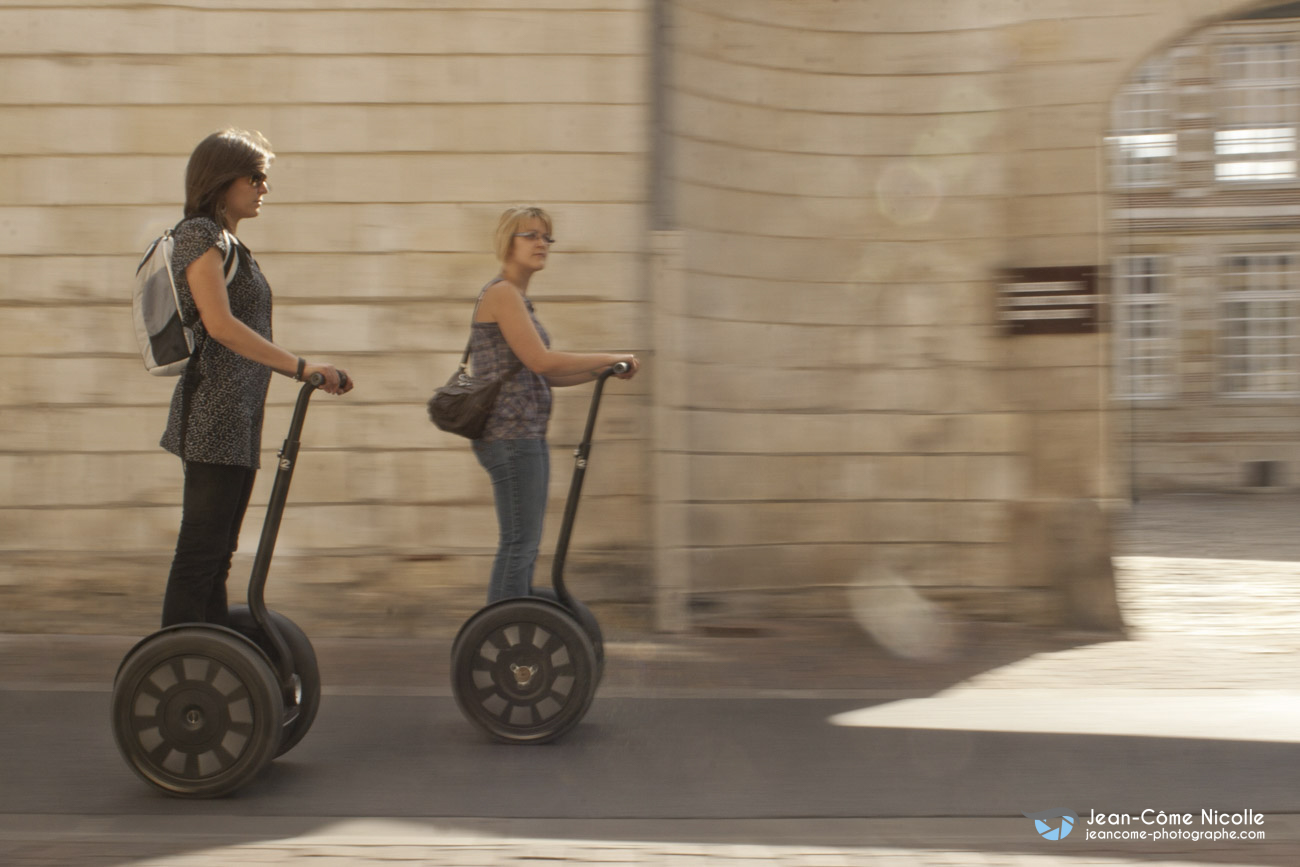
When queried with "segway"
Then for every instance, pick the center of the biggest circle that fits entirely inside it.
(200, 709)
(524, 670)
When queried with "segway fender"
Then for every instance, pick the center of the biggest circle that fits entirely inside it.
(166, 629)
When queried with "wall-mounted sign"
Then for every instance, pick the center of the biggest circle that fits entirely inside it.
(1049, 300)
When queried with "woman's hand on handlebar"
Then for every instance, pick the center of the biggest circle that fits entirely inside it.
(336, 381)
(633, 367)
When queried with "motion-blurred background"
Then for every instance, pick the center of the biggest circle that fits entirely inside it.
(927, 292)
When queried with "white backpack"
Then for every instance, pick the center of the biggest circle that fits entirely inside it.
(166, 342)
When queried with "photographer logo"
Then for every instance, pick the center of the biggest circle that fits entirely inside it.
(1049, 830)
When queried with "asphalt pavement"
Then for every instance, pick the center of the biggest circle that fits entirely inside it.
(799, 742)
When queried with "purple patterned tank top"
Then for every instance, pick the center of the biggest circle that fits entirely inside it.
(523, 406)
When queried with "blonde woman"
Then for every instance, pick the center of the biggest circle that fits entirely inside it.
(508, 340)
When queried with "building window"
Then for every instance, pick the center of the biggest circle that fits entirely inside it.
(1257, 325)
(1145, 327)
(1143, 141)
(1258, 92)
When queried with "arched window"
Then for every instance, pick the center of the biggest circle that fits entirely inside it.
(1143, 140)
(1204, 157)
(1257, 85)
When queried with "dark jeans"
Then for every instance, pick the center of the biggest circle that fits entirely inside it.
(216, 497)
(520, 472)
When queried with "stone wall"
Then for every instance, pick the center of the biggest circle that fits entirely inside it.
(851, 179)
(829, 397)
(401, 134)
(839, 176)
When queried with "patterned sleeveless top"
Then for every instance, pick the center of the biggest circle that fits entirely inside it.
(523, 407)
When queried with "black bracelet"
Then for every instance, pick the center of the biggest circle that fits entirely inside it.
(302, 365)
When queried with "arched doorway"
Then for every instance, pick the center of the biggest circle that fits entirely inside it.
(1204, 176)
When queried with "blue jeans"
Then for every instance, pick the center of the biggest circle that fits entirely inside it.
(521, 472)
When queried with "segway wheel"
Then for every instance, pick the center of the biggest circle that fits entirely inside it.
(586, 619)
(302, 704)
(523, 671)
(197, 711)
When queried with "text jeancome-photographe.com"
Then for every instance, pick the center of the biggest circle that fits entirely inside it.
(1153, 824)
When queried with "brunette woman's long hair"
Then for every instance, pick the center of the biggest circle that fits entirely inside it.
(219, 160)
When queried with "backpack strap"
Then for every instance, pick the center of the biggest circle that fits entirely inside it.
(230, 262)
(189, 382)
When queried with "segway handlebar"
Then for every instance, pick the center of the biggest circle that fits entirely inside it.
(580, 454)
(285, 459)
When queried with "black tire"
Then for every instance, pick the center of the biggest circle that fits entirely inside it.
(302, 705)
(523, 671)
(197, 711)
(586, 619)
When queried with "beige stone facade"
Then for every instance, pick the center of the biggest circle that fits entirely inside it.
(796, 212)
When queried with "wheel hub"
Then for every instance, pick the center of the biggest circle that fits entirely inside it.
(521, 673)
(192, 717)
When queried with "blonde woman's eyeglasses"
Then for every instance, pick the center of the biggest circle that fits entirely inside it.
(534, 235)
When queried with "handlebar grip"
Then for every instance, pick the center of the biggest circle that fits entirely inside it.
(620, 367)
(316, 380)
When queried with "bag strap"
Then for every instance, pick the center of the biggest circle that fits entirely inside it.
(189, 382)
(163, 247)
(230, 262)
(464, 359)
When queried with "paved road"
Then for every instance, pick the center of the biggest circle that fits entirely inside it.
(804, 748)
(401, 756)
(674, 760)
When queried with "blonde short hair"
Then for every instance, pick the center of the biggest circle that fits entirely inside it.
(510, 222)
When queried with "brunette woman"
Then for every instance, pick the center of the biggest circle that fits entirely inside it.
(215, 422)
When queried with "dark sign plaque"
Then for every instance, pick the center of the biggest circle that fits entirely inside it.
(1059, 300)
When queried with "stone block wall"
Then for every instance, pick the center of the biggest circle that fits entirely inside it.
(401, 133)
(830, 394)
(839, 196)
(851, 178)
